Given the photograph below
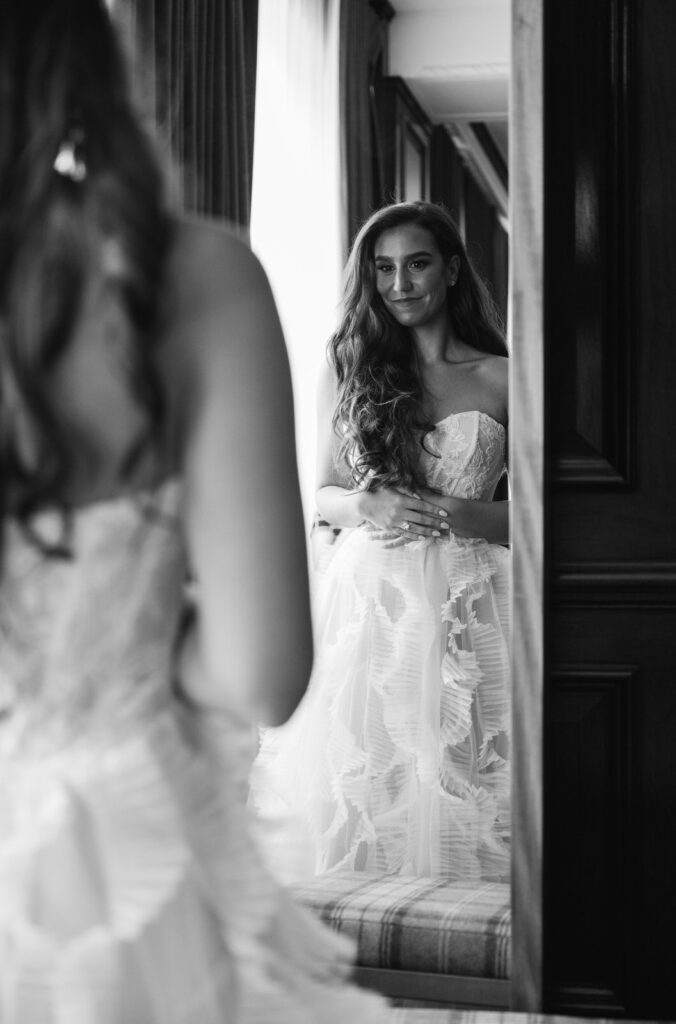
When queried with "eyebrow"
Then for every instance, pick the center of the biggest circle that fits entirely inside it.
(408, 256)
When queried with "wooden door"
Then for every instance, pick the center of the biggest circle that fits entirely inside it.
(610, 384)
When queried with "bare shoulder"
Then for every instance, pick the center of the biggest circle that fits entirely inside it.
(495, 368)
(217, 296)
(210, 266)
(494, 375)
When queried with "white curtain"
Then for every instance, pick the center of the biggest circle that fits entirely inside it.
(297, 206)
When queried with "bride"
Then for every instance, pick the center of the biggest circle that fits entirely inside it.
(146, 425)
(397, 759)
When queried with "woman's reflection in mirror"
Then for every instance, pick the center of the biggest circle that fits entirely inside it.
(397, 759)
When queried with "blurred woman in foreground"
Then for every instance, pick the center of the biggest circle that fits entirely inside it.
(146, 421)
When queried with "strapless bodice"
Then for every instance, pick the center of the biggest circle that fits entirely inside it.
(466, 456)
(86, 643)
(130, 886)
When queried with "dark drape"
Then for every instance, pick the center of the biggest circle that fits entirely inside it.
(363, 42)
(199, 61)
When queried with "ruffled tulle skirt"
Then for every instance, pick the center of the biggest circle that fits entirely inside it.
(132, 893)
(397, 760)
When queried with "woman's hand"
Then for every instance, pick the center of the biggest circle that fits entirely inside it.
(397, 514)
(458, 510)
(469, 518)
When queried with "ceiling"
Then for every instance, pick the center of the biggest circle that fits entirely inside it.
(455, 57)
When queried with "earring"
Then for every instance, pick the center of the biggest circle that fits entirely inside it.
(69, 162)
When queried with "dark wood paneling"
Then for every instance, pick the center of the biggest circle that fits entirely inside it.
(610, 780)
(491, 150)
(638, 526)
(637, 585)
(483, 234)
(589, 808)
(446, 174)
(641, 641)
(590, 121)
(398, 114)
(452, 183)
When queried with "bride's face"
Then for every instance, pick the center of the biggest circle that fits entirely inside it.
(411, 276)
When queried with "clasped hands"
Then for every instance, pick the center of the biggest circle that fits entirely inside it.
(399, 518)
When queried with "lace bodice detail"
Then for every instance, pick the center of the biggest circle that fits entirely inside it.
(86, 644)
(467, 455)
(124, 843)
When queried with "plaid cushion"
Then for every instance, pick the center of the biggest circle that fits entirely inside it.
(418, 924)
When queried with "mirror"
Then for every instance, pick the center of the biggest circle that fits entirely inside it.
(438, 129)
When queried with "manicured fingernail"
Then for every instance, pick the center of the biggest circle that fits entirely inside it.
(443, 512)
(445, 526)
(435, 533)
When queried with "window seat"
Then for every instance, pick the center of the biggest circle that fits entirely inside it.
(413, 933)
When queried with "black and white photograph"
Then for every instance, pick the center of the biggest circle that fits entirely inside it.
(337, 505)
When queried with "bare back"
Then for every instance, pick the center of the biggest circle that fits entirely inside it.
(229, 435)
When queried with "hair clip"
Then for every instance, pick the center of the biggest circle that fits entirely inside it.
(69, 160)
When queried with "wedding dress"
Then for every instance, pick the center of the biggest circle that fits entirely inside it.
(397, 759)
(131, 891)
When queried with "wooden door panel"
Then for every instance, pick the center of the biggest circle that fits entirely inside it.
(589, 123)
(590, 727)
(611, 796)
(610, 799)
(610, 776)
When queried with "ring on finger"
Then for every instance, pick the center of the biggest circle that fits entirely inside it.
(405, 525)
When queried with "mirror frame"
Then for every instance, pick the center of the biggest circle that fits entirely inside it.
(527, 466)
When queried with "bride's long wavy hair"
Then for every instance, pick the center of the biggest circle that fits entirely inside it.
(63, 80)
(379, 415)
